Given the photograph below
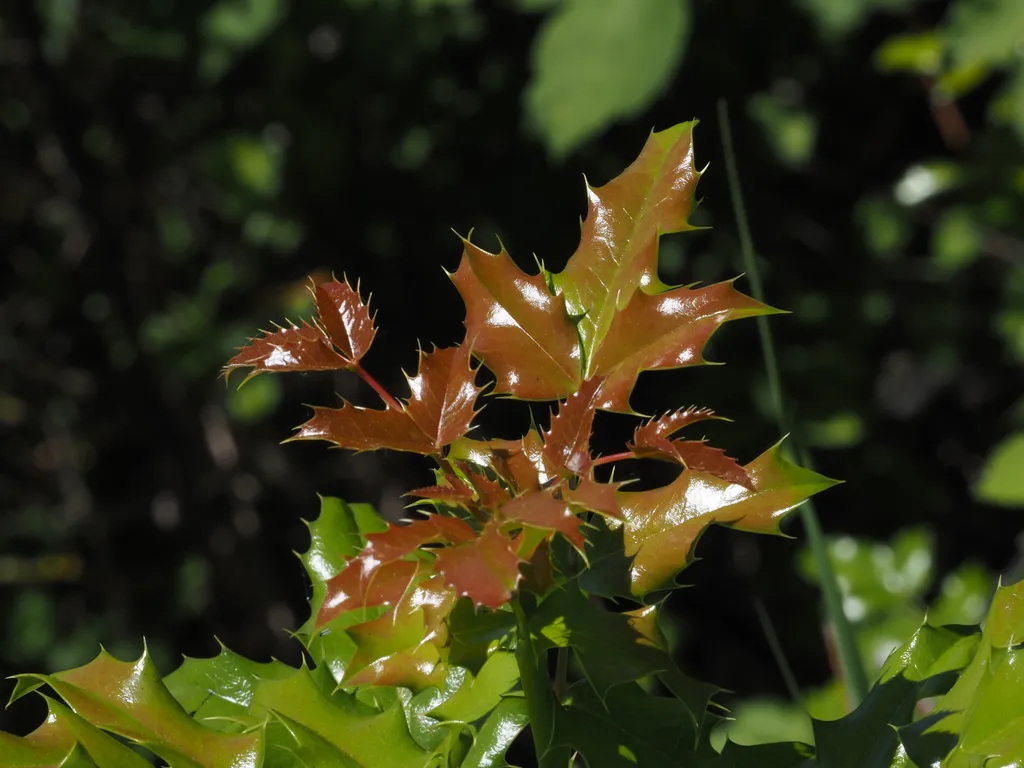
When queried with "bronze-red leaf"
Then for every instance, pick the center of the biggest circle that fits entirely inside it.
(485, 570)
(542, 510)
(345, 318)
(517, 327)
(296, 348)
(439, 410)
(567, 442)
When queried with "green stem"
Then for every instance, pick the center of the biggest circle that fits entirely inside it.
(849, 657)
(776, 648)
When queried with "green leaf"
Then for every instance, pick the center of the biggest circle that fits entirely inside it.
(221, 686)
(496, 735)
(984, 710)
(598, 61)
(482, 693)
(618, 250)
(66, 739)
(129, 699)
(292, 745)
(663, 525)
(475, 633)
(1002, 481)
(338, 533)
(762, 720)
(378, 739)
(610, 651)
(541, 706)
(629, 728)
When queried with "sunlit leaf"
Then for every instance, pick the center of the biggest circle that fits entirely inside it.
(662, 331)
(341, 336)
(618, 250)
(368, 738)
(652, 439)
(439, 410)
(130, 700)
(485, 570)
(663, 525)
(567, 442)
(345, 318)
(517, 327)
(544, 511)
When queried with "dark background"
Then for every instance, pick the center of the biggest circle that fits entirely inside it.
(166, 192)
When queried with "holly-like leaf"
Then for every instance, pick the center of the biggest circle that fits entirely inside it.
(663, 331)
(404, 646)
(63, 738)
(345, 318)
(338, 340)
(337, 534)
(567, 442)
(367, 738)
(544, 511)
(486, 570)
(652, 440)
(481, 693)
(295, 348)
(983, 713)
(663, 525)
(220, 687)
(608, 648)
(496, 735)
(618, 250)
(594, 496)
(130, 700)
(522, 464)
(366, 584)
(439, 410)
(379, 575)
(517, 326)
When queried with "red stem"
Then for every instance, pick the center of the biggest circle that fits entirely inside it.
(613, 457)
(388, 399)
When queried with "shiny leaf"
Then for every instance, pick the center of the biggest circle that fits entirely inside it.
(439, 410)
(130, 700)
(221, 686)
(662, 331)
(345, 319)
(663, 525)
(652, 439)
(295, 348)
(336, 535)
(369, 739)
(485, 570)
(496, 735)
(481, 693)
(542, 510)
(567, 442)
(342, 335)
(618, 250)
(517, 327)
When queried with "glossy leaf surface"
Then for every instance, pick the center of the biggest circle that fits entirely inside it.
(663, 331)
(663, 525)
(341, 336)
(618, 251)
(129, 699)
(652, 440)
(567, 442)
(439, 410)
(517, 327)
